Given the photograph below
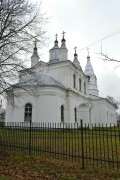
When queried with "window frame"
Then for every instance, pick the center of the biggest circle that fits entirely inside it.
(80, 84)
(62, 113)
(75, 114)
(85, 88)
(28, 112)
(74, 80)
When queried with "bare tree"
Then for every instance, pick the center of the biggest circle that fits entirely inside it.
(21, 22)
(105, 57)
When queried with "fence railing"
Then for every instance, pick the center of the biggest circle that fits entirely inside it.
(84, 144)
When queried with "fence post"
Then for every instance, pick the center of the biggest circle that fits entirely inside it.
(82, 145)
(29, 140)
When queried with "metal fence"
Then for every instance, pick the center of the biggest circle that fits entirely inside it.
(84, 144)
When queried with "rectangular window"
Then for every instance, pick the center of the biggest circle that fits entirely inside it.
(80, 84)
(75, 111)
(62, 113)
(84, 88)
(28, 112)
(74, 80)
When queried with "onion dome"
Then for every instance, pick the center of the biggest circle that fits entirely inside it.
(75, 61)
(54, 52)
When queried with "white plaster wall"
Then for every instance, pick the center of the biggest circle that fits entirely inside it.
(83, 113)
(16, 112)
(46, 107)
(63, 55)
(64, 74)
(47, 101)
(49, 105)
(75, 100)
(99, 112)
(72, 104)
(104, 112)
(61, 74)
(9, 110)
(110, 114)
(79, 74)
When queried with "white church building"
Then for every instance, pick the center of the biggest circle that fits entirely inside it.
(58, 91)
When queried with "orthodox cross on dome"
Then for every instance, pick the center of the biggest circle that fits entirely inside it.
(35, 43)
(63, 33)
(88, 50)
(56, 36)
(75, 49)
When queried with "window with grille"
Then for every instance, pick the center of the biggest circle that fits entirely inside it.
(28, 112)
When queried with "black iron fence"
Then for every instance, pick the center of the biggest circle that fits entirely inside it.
(84, 144)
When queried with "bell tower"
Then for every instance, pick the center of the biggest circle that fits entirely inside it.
(93, 89)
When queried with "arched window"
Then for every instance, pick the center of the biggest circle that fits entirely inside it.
(28, 112)
(62, 113)
(75, 113)
(74, 81)
(80, 84)
(84, 88)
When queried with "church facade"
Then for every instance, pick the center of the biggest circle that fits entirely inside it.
(58, 91)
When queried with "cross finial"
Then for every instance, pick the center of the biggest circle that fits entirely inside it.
(35, 43)
(75, 49)
(63, 33)
(88, 50)
(56, 36)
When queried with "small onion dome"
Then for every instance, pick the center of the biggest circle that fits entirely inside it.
(75, 61)
(63, 40)
(75, 54)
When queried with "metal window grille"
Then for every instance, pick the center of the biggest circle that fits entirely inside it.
(28, 112)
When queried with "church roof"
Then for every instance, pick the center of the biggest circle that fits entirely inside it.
(41, 79)
(88, 68)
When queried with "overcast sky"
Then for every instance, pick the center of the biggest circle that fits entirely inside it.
(85, 22)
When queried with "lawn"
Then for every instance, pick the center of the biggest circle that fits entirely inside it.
(17, 166)
(101, 147)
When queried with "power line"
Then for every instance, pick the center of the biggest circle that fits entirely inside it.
(106, 37)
